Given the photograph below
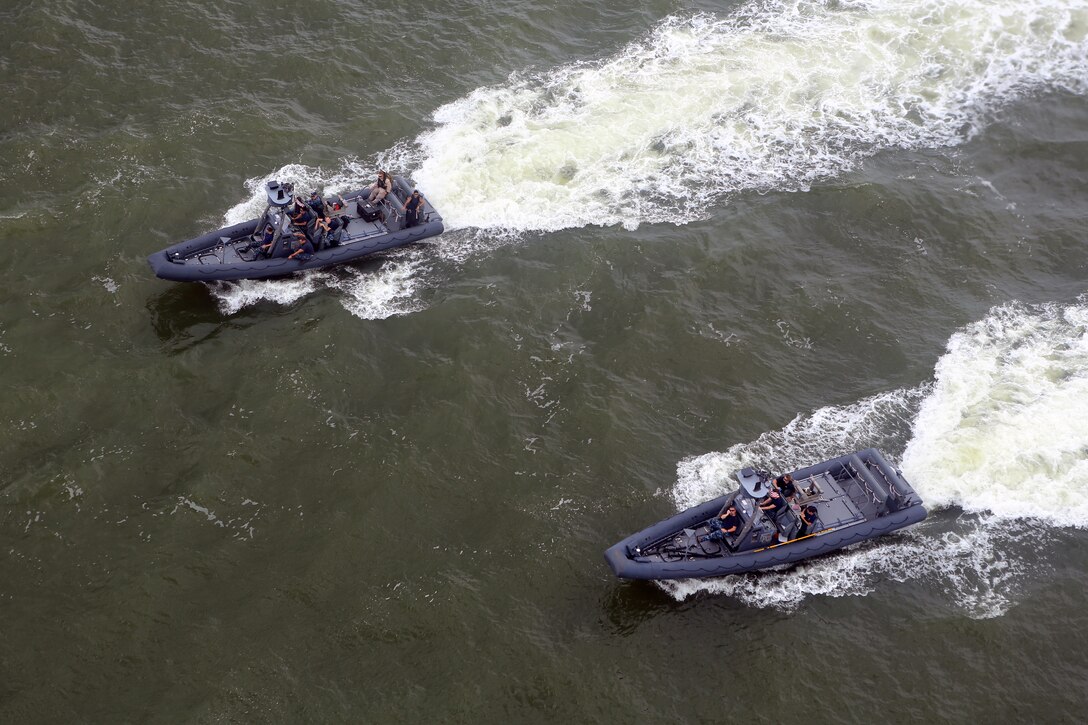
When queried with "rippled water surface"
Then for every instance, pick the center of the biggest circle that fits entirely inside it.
(683, 237)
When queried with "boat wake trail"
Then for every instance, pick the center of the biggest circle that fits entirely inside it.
(994, 445)
(776, 96)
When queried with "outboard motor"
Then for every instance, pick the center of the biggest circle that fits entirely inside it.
(280, 194)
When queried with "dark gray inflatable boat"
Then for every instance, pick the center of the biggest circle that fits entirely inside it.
(856, 497)
(236, 252)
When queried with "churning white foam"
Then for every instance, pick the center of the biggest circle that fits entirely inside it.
(775, 96)
(1004, 430)
(997, 435)
(369, 294)
(234, 296)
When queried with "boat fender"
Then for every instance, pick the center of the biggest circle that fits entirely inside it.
(877, 487)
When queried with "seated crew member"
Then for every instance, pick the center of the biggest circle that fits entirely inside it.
(337, 229)
(320, 208)
(264, 243)
(786, 486)
(300, 215)
(772, 504)
(726, 523)
(413, 209)
(281, 250)
(322, 230)
(808, 519)
(304, 248)
(379, 188)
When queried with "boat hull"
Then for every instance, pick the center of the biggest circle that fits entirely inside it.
(163, 266)
(628, 561)
(625, 567)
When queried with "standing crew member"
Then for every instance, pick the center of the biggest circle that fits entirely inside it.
(318, 204)
(808, 520)
(413, 209)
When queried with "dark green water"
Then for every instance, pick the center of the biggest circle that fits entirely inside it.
(765, 233)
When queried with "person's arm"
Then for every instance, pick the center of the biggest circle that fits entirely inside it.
(299, 236)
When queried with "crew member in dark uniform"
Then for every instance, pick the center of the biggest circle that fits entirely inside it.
(727, 523)
(772, 504)
(302, 215)
(808, 519)
(318, 204)
(264, 244)
(304, 249)
(322, 229)
(413, 209)
(786, 486)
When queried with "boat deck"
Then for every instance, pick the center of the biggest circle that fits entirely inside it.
(838, 503)
(230, 251)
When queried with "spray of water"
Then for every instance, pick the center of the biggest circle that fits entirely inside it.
(388, 291)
